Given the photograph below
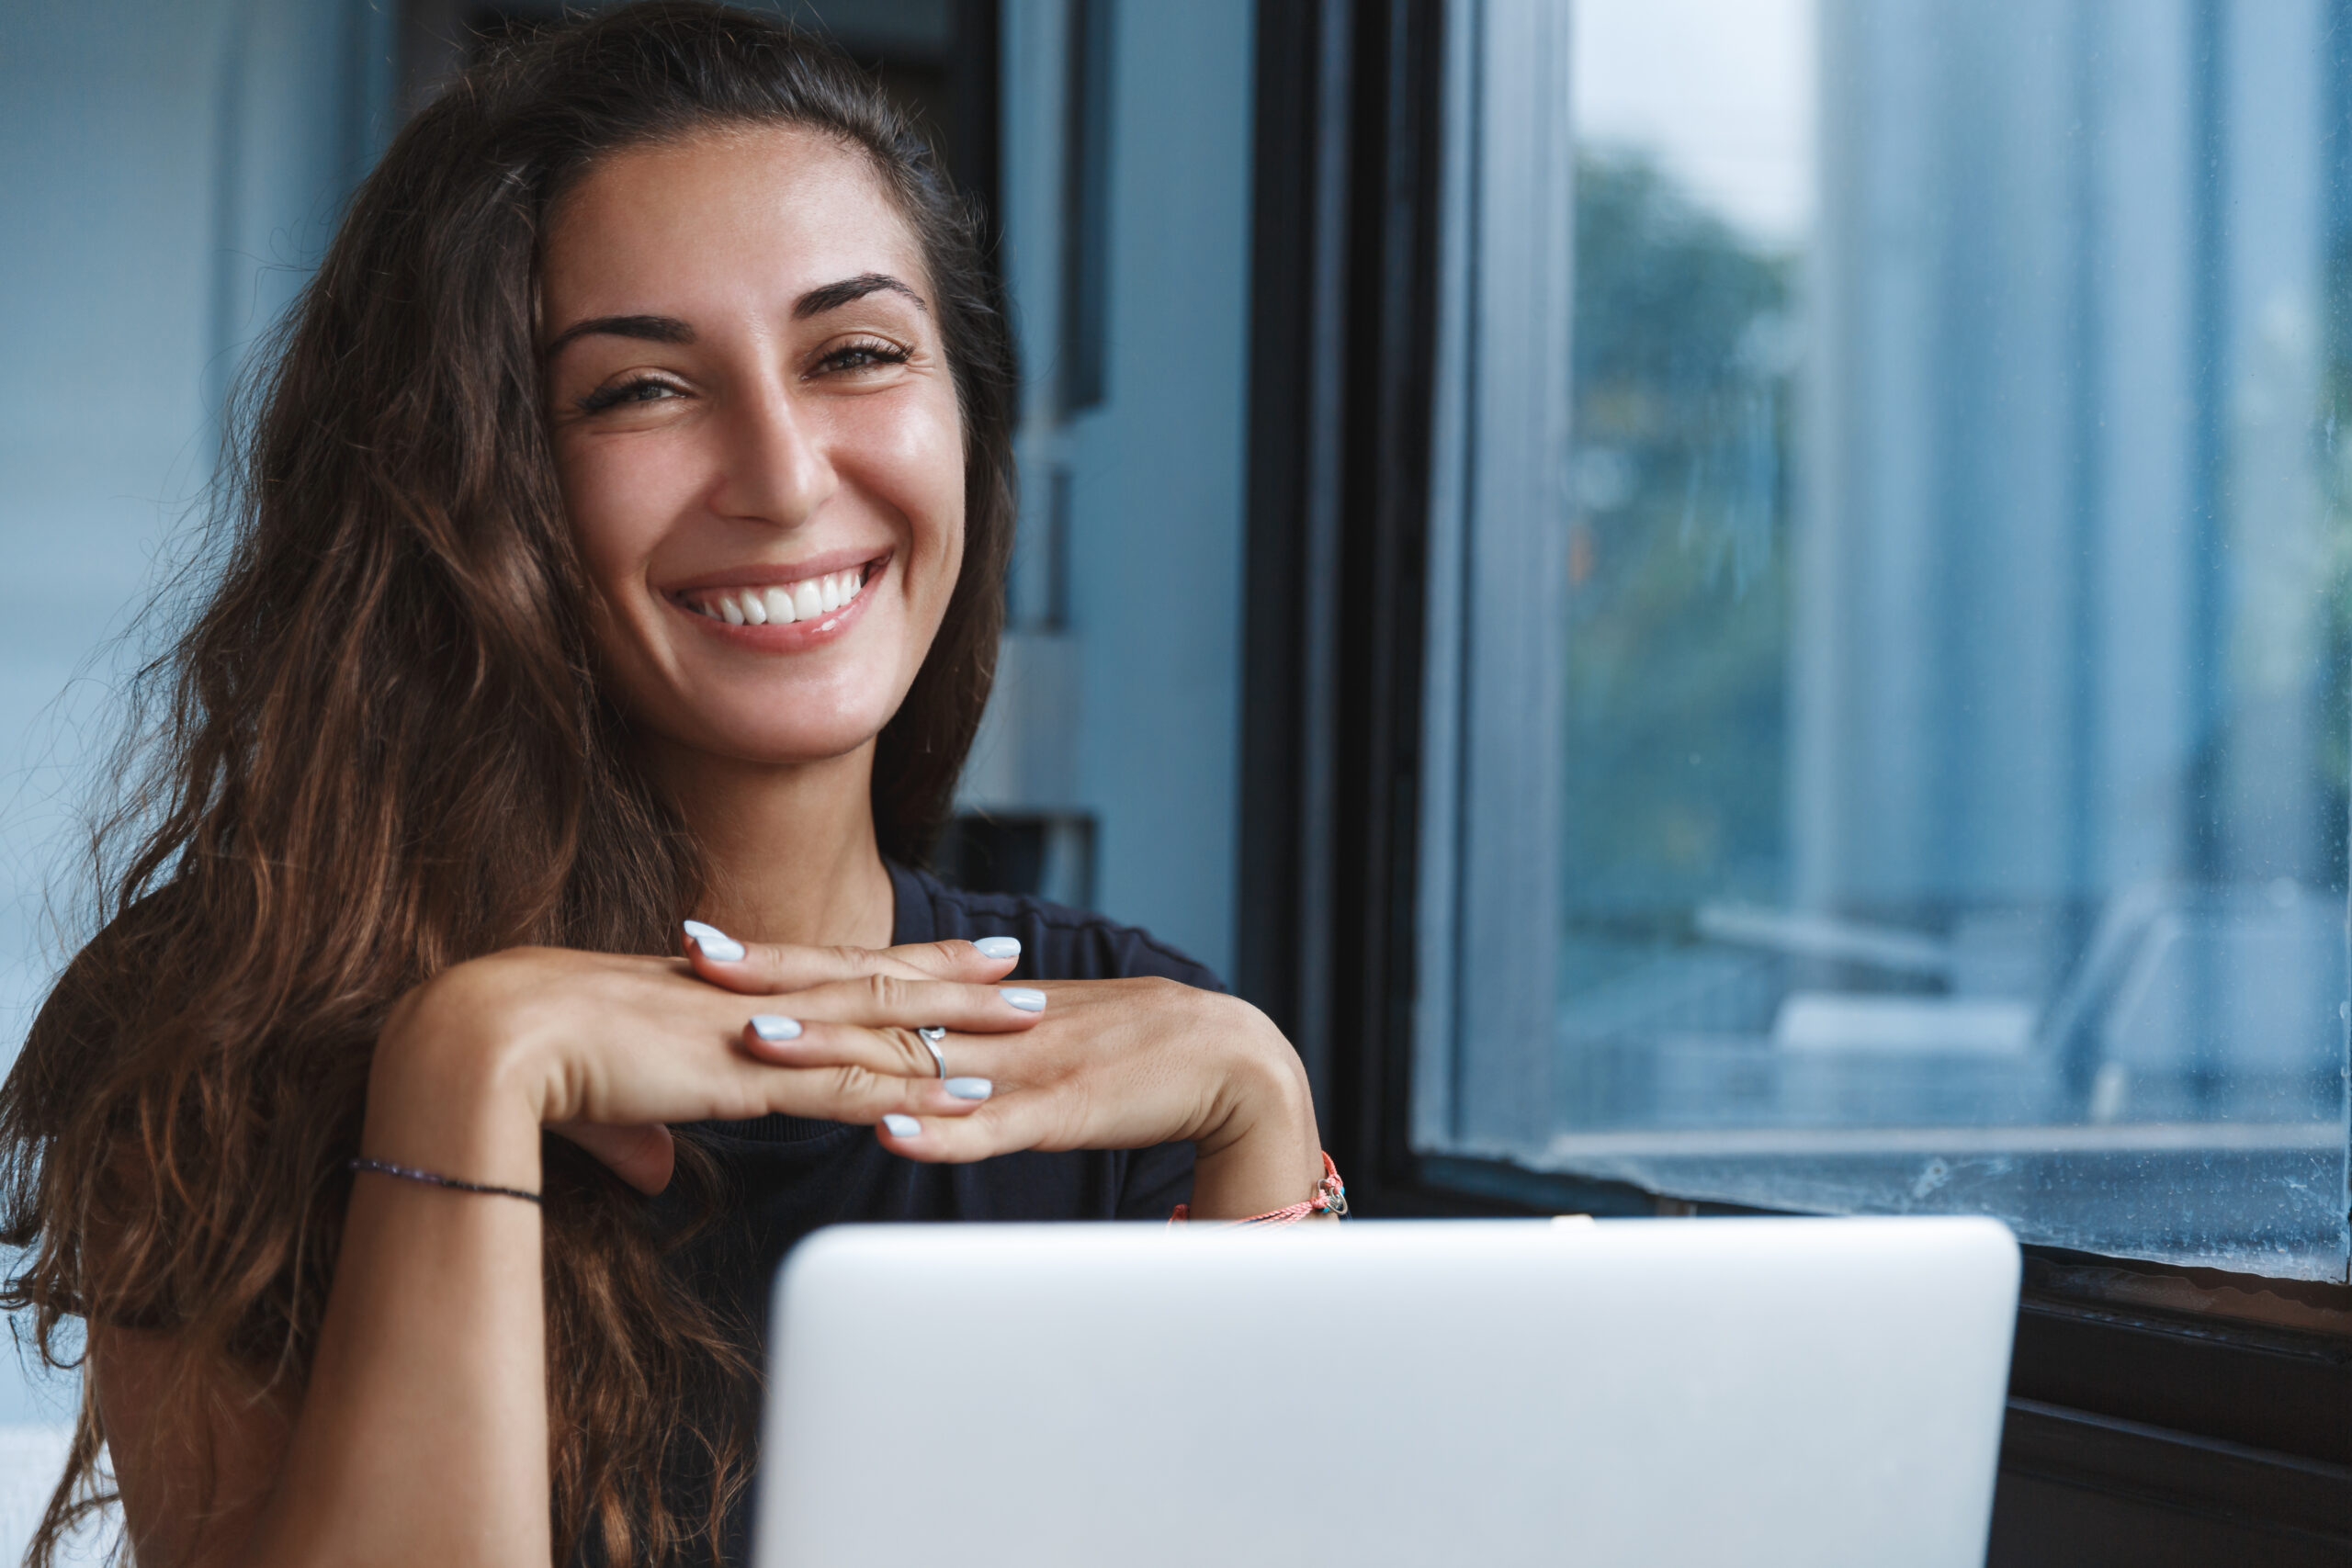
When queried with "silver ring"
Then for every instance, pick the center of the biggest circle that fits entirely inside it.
(931, 1037)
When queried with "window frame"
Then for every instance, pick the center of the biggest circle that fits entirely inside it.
(2153, 1416)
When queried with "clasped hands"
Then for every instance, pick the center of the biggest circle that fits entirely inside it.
(611, 1050)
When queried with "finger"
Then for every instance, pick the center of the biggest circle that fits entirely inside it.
(984, 958)
(968, 1064)
(888, 1001)
(772, 967)
(858, 1094)
(645, 1157)
(1000, 1127)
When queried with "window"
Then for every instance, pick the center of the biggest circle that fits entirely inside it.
(1888, 643)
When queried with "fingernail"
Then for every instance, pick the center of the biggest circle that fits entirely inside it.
(1026, 999)
(902, 1126)
(970, 1088)
(999, 946)
(716, 945)
(769, 1026)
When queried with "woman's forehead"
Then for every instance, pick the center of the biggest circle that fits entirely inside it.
(724, 216)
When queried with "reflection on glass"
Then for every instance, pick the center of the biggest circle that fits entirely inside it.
(1957, 618)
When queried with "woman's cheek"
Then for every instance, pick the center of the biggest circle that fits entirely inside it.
(929, 468)
(616, 492)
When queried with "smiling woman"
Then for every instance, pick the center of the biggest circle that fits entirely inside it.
(619, 539)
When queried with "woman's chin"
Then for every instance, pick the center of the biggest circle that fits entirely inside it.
(770, 745)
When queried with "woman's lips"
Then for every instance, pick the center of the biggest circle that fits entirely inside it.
(786, 613)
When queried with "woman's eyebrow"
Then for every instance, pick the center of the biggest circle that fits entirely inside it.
(833, 295)
(669, 328)
(651, 329)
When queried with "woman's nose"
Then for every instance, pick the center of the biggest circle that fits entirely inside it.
(773, 467)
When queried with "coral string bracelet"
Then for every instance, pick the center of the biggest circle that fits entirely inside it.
(1330, 1197)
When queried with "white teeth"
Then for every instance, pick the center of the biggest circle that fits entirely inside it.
(782, 605)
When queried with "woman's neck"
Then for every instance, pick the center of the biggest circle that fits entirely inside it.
(790, 850)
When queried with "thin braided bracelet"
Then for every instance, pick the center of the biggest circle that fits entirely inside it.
(1330, 1197)
(410, 1173)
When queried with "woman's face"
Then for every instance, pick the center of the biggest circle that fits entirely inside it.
(757, 436)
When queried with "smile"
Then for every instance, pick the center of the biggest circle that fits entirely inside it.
(782, 604)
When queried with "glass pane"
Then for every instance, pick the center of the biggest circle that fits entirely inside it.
(1953, 743)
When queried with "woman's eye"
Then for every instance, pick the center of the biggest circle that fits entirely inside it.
(642, 390)
(862, 356)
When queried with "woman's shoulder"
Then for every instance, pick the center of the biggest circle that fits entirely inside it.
(1056, 942)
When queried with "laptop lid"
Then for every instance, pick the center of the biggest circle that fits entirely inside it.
(1805, 1392)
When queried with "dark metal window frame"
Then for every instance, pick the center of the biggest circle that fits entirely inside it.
(2152, 1417)
(1086, 206)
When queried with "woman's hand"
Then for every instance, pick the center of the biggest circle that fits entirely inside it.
(1108, 1064)
(607, 1049)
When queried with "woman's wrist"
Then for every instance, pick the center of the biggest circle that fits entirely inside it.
(1264, 1152)
(451, 1093)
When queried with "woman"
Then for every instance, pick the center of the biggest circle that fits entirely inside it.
(620, 541)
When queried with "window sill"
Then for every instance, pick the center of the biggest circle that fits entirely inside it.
(2263, 1501)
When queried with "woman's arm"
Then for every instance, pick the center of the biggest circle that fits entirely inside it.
(422, 1434)
(1260, 1150)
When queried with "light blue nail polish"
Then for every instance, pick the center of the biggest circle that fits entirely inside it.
(970, 1088)
(999, 946)
(716, 945)
(768, 1026)
(902, 1126)
(1024, 997)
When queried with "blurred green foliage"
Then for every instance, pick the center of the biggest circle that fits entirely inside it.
(1679, 573)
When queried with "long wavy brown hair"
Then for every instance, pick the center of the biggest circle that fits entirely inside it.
(380, 747)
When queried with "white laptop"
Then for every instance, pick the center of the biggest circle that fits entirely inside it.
(1715, 1393)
